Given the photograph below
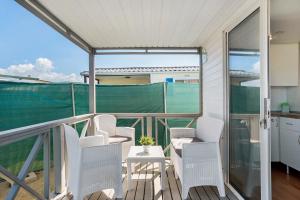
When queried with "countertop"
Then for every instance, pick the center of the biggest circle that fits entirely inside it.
(295, 115)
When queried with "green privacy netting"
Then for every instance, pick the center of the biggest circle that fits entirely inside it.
(182, 98)
(244, 100)
(26, 103)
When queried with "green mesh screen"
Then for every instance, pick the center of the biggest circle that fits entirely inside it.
(245, 100)
(26, 103)
(182, 98)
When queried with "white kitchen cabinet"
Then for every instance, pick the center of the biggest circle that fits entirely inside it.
(290, 142)
(275, 139)
(284, 64)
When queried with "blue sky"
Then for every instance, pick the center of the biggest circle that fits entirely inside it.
(24, 38)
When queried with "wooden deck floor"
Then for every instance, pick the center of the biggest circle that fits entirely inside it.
(147, 187)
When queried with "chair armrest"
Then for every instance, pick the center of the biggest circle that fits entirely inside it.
(200, 150)
(91, 141)
(126, 131)
(104, 134)
(182, 132)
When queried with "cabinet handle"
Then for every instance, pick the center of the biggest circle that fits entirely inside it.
(299, 139)
(287, 123)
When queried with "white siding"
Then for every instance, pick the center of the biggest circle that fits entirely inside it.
(161, 77)
(213, 78)
(213, 70)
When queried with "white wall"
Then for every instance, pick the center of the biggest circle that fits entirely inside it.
(161, 77)
(278, 95)
(213, 78)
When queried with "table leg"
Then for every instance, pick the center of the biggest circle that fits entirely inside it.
(128, 173)
(162, 174)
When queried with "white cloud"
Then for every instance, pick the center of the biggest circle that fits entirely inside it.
(43, 68)
(256, 67)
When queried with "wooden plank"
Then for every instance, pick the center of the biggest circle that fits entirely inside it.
(149, 190)
(173, 185)
(216, 191)
(210, 193)
(133, 186)
(193, 194)
(95, 196)
(202, 194)
(229, 194)
(141, 182)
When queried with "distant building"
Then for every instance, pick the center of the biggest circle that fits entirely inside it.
(26, 79)
(144, 75)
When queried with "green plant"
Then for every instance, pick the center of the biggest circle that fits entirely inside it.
(284, 104)
(146, 140)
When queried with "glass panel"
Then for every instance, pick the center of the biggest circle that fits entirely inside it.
(244, 75)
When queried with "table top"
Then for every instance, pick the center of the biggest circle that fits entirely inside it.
(137, 152)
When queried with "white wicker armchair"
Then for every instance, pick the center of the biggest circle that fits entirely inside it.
(92, 166)
(195, 154)
(106, 125)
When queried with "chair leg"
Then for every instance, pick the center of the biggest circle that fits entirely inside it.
(118, 192)
(221, 190)
(176, 175)
(185, 192)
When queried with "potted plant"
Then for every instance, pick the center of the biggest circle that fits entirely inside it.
(285, 107)
(146, 141)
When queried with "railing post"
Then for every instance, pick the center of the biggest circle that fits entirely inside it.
(46, 165)
(57, 159)
(142, 126)
(149, 126)
(156, 131)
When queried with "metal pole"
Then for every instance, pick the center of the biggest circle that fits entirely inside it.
(92, 88)
(73, 100)
(200, 80)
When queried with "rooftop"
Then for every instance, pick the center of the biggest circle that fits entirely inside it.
(140, 70)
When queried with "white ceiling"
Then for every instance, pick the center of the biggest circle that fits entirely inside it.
(143, 23)
(285, 21)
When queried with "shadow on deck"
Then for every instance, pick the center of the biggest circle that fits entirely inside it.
(146, 185)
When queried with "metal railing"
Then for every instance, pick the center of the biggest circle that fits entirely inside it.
(43, 132)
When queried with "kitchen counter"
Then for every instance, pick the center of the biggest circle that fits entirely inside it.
(295, 115)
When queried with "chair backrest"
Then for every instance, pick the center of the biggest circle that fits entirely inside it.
(209, 129)
(73, 156)
(106, 123)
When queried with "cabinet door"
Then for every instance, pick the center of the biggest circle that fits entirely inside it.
(275, 140)
(284, 64)
(290, 148)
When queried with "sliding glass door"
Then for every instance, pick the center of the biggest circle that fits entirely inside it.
(247, 110)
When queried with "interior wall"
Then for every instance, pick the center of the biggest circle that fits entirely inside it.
(278, 95)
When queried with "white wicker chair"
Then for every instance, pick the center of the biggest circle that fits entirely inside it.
(106, 125)
(92, 166)
(195, 154)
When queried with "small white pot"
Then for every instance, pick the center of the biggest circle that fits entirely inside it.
(146, 148)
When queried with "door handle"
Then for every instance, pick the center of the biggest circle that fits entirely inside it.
(299, 139)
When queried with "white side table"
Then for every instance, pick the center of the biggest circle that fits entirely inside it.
(156, 154)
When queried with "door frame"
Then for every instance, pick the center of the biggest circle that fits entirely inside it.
(265, 149)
